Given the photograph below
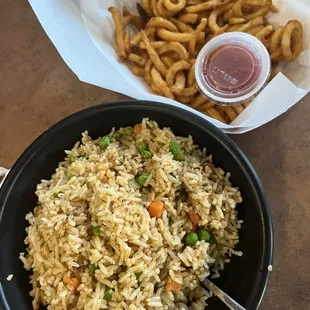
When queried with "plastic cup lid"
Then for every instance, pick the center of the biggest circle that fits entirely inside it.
(232, 67)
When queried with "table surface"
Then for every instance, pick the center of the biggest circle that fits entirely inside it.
(37, 89)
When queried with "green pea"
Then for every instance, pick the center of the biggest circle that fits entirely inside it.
(117, 136)
(96, 231)
(92, 267)
(138, 275)
(204, 235)
(176, 150)
(179, 156)
(174, 147)
(108, 294)
(128, 131)
(191, 238)
(143, 146)
(73, 159)
(104, 142)
(141, 179)
(146, 154)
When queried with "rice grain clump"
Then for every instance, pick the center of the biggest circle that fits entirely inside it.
(133, 220)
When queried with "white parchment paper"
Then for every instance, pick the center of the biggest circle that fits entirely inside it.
(83, 33)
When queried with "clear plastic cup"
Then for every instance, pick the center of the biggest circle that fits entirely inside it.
(232, 68)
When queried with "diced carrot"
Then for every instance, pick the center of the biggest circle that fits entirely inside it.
(195, 218)
(172, 285)
(74, 282)
(156, 208)
(137, 129)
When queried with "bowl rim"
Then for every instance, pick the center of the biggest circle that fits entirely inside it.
(34, 148)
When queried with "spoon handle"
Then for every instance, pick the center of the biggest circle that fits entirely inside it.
(227, 300)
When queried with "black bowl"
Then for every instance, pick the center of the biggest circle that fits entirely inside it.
(244, 279)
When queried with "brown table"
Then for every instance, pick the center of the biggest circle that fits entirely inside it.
(37, 89)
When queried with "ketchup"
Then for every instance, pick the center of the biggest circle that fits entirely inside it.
(231, 69)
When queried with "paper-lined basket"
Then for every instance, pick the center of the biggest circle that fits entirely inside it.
(83, 33)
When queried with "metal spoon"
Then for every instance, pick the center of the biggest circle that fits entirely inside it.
(227, 300)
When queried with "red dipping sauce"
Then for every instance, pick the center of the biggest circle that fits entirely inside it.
(232, 71)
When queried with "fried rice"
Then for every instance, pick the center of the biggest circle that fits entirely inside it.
(93, 244)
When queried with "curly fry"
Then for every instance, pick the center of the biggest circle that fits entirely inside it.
(127, 42)
(189, 91)
(277, 55)
(293, 32)
(266, 31)
(254, 30)
(174, 47)
(168, 61)
(205, 6)
(174, 69)
(274, 9)
(188, 18)
(179, 80)
(137, 37)
(192, 42)
(262, 12)
(237, 8)
(137, 59)
(160, 22)
(212, 21)
(174, 7)
(161, 84)
(119, 33)
(162, 10)
(276, 37)
(153, 55)
(155, 44)
(183, 27)
(198, 101)
(215, 114)
(236, 21)
(230, 112)
(191, 77)
(149, 80)
(138, 71)
(177, 37)
(254, 22)
(183, 99)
